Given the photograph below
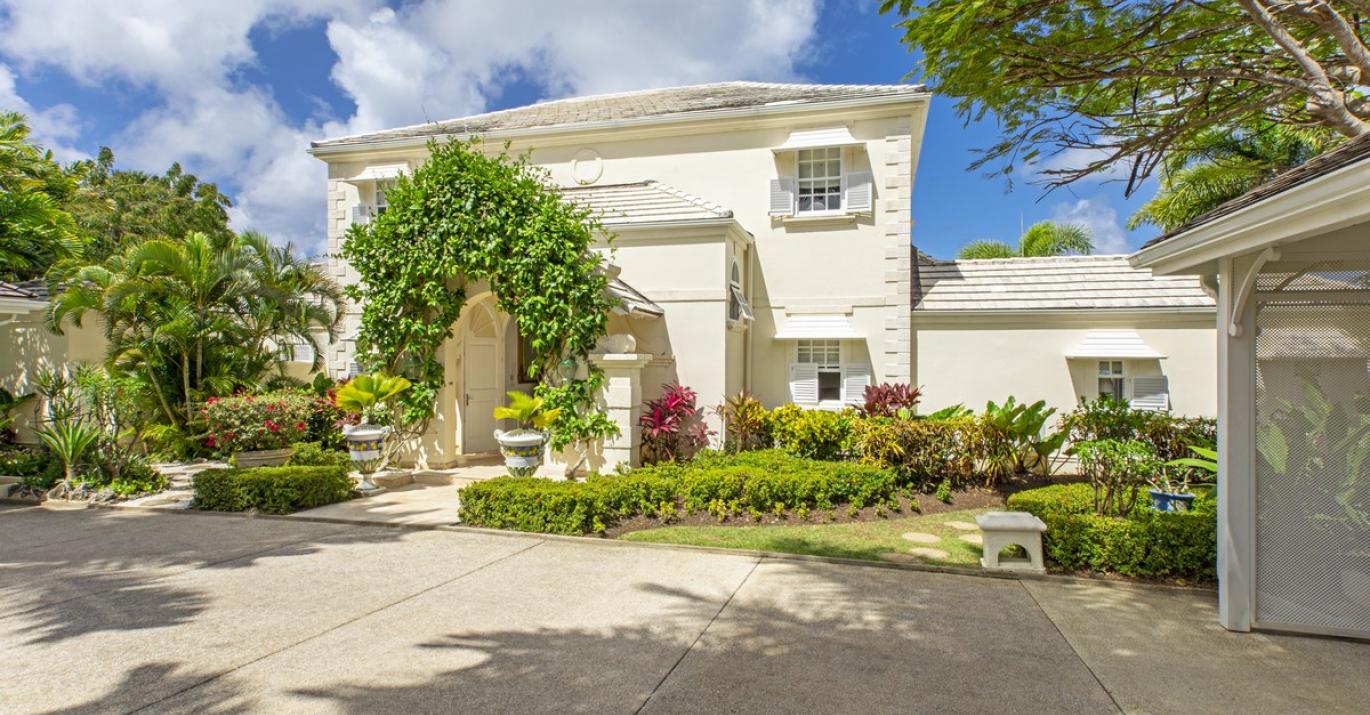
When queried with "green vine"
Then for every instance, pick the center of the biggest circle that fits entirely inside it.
(466, 216)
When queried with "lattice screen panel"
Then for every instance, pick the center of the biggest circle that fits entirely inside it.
(1313, 454)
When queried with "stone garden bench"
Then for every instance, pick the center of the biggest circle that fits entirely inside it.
(1002, 528)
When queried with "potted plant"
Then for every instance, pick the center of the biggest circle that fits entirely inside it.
(1175, 495)
(365, 396)
(522, 448)
(257, 430)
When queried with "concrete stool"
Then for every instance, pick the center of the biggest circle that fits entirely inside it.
(1002, 528)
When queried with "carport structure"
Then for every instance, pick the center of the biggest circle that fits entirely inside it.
(1290, 265)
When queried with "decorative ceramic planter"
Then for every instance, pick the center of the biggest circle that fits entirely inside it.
(522, 450)
(364, 445)
(1167, 501)
(263, 458)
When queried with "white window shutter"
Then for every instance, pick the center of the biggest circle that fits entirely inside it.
(858, 187)
(803, 383)
(782, 196)
(360, 213)
(1150, 393)
(855, 378)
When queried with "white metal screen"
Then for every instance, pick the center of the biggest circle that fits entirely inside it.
(1313, 452)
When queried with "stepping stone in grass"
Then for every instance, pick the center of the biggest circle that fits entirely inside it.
(973, 539)
(962, 525)
(919, 537)
(898, 557)
(929, 553)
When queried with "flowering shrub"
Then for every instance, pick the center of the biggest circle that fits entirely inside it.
(671, 428)
(246, 423)
(886, 400)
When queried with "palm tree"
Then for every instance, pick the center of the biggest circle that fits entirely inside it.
(34, 229)
(201, 316)
(1223, 165)
(1044, 238)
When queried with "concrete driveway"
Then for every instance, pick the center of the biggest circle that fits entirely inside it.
(117, 611)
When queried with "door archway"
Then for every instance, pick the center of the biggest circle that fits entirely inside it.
(482, 378)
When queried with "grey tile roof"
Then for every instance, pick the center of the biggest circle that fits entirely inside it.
(1348, 153)
(1062, 283)
(27, 290)
(668, 102)
(643, 202)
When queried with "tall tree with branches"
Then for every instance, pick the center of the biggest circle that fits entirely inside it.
(35, 228)
(1126, 82)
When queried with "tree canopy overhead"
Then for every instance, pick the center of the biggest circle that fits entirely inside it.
(1124, 82)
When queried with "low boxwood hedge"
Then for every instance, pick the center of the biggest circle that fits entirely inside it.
(1146, 544)
(271, 490)
(768, 481)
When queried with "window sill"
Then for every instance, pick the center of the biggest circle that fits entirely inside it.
(819, 218)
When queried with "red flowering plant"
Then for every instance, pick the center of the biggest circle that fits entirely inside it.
(890, 400)
(671, 426)
(247, 423)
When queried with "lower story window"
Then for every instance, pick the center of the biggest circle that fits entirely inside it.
(1111, 378)
(826, 357)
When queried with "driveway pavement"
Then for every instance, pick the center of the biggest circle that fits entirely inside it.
(118, 611)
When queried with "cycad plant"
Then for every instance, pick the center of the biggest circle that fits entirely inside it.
(365, 395)
(69, 439)
(1042, 239)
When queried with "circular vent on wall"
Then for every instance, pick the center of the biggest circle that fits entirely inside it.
(586, 167)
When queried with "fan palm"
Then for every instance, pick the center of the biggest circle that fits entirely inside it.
(1042, 239)
(1223, 165)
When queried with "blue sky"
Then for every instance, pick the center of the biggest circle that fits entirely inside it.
(234, 91)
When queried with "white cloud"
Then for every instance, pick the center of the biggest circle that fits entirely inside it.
(52, 128)
(1100, 218)
(433, 59)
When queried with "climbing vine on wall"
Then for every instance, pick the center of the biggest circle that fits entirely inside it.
(466, 215)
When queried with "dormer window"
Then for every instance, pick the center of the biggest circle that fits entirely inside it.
(822, 183)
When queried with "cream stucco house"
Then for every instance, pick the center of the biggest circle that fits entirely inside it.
(762, 241)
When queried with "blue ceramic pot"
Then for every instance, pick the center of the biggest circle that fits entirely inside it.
(1166, 501)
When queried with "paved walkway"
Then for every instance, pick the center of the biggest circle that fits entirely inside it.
(117, 610)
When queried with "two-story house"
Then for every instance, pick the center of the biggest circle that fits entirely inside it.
(762, 238)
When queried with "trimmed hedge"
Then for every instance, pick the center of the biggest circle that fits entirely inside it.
(768, 481)
(1146, 544)
(812, 434)
(271, 490)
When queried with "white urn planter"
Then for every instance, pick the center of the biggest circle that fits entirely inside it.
(364, 443)
(522, 450)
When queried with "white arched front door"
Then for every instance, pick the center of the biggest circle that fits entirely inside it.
(482, 379)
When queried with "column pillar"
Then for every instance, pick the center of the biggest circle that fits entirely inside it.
(622, 401)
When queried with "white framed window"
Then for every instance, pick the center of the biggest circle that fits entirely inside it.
(819, 180)
(1112, 378)
(738, 308)
(381, 203)
(826, 358)
(823, 374)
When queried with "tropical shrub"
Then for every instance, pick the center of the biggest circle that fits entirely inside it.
(25, 461)
(671, 426)
(247, 423)
(1014, 439)
(888, 399)
(745, 426)
(813, 434)
(1170, 437)
(1117, 471)
(529, 412)
(749, 483)
(271, 490)
(9, 406)
(922, 451)
(1146, 544)
(314, 454)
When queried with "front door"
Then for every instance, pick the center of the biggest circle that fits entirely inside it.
(481, 382)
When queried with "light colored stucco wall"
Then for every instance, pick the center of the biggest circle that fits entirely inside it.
(858, 266)
(27, 348)
(973, 360)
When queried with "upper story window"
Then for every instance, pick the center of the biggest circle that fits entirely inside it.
(820, 180)
(738, 307)
(817, 176)
(381, 202)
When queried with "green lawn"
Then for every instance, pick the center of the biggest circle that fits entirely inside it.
(871, 540)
